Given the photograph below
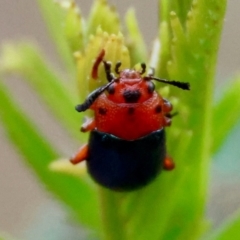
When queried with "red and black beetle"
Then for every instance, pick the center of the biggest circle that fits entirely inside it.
(126, 148)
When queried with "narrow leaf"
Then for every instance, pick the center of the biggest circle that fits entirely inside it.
(194, 48)
(136, 45)
(53, 16)
(73, 26)
(164, 54)
(103, 15)
(58, 95)
(230, 229)
(38, 154)
(226, 114)
(181, 7)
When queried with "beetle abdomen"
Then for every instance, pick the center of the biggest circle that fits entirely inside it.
(125, 165)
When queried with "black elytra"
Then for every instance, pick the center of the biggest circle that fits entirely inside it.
(123, 165)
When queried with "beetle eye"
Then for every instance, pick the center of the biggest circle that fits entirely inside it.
(150, 87)
(111, 89)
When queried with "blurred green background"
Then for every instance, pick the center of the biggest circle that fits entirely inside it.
(27, 211)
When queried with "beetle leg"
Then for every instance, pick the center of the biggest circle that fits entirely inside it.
(168, 118)
(167, 106)
(167, 121)
(168, 164)
(88, 125)
(81, 155)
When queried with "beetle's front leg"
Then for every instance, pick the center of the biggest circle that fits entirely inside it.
(88, 125)
(81, 155)
(167, 108)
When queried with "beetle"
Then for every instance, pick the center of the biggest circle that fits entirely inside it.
(127, 144)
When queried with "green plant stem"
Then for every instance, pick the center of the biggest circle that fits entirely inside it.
(194, 53)
(111, 218)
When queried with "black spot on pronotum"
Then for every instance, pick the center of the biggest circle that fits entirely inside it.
(102, 111)
(131, 96)
(158, 109)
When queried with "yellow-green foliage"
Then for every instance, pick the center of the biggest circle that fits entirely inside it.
(185, 49)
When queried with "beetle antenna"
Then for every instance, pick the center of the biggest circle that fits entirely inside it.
(182, 85)
(118, 65)
(96, 64)
(143, 65)
(109, 74)
(93, 96)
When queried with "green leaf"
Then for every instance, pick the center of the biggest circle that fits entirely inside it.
(180, 7)
(73, 26)
(136, 45)
(229, 230)
(53, 16)
(164, 53)
(104, 16)
(226, 113)
(193, 56)
(59, 95)
(38, 154)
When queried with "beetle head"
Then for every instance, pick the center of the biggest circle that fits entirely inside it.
(130, 87)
